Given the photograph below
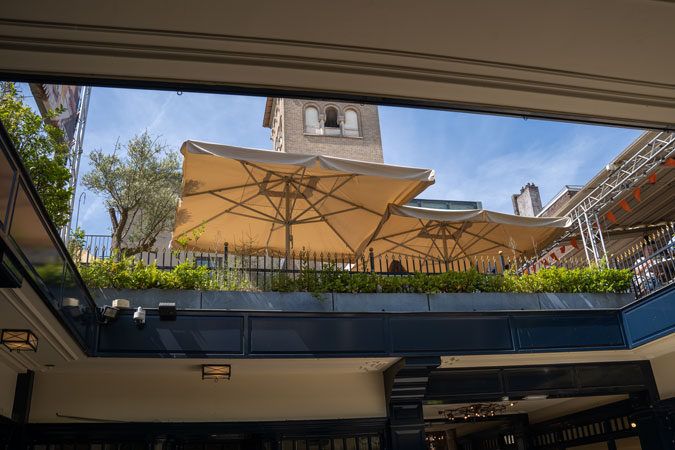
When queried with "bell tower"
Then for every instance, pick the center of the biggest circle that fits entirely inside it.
(345, 130)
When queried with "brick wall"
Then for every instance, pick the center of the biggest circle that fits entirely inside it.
(367, 147)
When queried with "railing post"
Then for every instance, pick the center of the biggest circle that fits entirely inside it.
(501, 260)
(225, 256)
(372, 259)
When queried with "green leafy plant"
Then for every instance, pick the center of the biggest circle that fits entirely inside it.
(42, 149)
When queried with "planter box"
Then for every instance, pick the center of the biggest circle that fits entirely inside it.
(483, 301)
(149, 298)
(358, 303)
(585, 301)
(266, 301)
(381, 302)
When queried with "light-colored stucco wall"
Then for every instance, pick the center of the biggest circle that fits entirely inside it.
(664, 374)
(7, 386)
(182, 396)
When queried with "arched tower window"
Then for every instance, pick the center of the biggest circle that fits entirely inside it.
(351, 123)
(331, 118)
(312, 125)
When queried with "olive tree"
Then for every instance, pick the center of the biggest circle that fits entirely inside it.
(140, 190)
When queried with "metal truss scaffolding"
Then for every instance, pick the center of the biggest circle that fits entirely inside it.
(624, 177)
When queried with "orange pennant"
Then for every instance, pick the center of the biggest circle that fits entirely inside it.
(610, 216)
(624, 205)
(652, 178)
(562, 249)
(574, 243)
(545, 263)
(554, 257)
(670, 162)
(636, 193)
(525, 272)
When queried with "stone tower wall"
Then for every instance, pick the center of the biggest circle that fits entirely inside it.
(290, 125)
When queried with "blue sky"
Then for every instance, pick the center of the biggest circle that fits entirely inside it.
(476, 157)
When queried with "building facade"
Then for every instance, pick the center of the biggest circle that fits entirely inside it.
(344, 130)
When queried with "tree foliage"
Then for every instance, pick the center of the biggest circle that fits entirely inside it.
(42, 149)
(140, 190)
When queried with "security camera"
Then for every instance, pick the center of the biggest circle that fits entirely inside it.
(139, 317)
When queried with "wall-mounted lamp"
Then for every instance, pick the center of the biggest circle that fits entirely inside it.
(109, 313)
(220, 372)
(19, 340)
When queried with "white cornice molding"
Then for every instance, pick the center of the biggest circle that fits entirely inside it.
(60, 49)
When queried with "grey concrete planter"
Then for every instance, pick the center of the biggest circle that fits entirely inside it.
(483, 301)
(585, 301)
(149, 298)
(357, 303)
(381, 302)
(266, 301)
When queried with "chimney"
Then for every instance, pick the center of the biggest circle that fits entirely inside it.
(528, 202)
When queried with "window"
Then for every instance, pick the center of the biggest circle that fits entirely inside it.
(312, 125)
(331, 118)
(351, 123)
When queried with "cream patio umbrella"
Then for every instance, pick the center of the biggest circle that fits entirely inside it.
(280, 201)
(448, 236)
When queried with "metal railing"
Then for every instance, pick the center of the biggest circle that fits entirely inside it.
(652, 262)
(257, 267)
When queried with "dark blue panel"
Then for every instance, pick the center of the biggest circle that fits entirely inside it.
(448, 334)
(188, 334)
(539, 378)
(459, 382)
(651, 318)
(569, 331)
(308, 335)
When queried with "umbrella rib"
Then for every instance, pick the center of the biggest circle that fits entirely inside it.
(402, 244)
(323, 215)
(226, 211)
(478, 238)
(328, 223)
(295, 199)
(230, 188)
(414, 230)
(461, 231)
(262, 189)
(236, 203)
(329, 194)
(325, 195)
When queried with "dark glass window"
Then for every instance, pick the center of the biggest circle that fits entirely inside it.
(331, 118)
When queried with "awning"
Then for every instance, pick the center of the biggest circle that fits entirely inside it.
(455, 235)
(263, 199)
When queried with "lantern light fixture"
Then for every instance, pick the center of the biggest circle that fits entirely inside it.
(19, 340)
(216, 372)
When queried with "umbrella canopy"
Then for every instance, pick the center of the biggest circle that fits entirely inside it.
(455, 235)
(273, 200)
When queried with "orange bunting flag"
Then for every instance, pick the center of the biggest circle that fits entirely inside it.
(636, 193)
(554, 257)
(624, 205)
(525, 272)
(652, 178)
(670, 162)
(562, 249)
(545, 263)
(610, 216)
(574, 243)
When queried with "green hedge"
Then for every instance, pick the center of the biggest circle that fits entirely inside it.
(126, 273)
(590, 280)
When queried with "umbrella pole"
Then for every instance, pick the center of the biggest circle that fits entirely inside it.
(287, 194)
